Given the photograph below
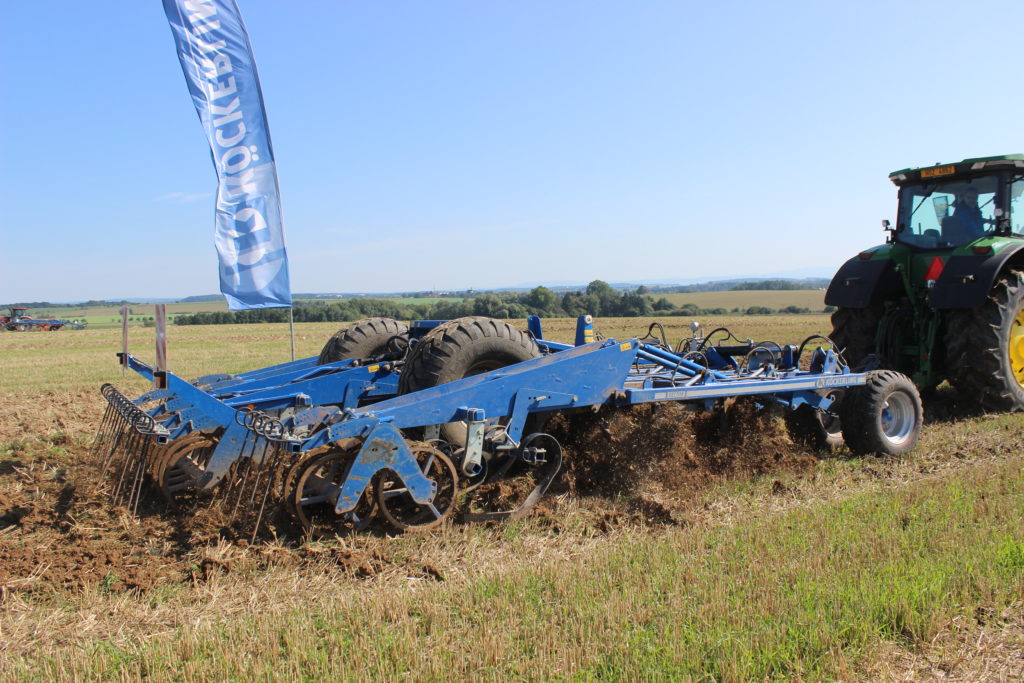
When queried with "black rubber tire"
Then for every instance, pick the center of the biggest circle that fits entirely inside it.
(806, 426)
(461, 348)
(854, 331)
(361, 339)
(978, 347)
(884, 416)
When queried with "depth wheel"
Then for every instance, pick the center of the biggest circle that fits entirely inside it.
(317, 484)
(398, 506)
(810, 427)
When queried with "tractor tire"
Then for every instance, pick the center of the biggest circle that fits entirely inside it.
(985, 347)
(854, 331)
(461, 348)
(361, 339)
(884, 416)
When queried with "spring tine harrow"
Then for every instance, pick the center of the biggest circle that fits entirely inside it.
(255, 479)
(128, 443)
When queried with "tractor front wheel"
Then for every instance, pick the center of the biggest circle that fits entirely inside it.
(985, 347)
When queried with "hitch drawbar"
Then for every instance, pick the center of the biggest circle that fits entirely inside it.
(435, 418)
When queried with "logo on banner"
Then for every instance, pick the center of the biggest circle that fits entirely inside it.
(214, 51)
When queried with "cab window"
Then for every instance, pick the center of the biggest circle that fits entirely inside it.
(947, 214)
(1017, 205)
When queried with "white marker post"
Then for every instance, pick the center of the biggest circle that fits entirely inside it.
(124, 340)
(160, 371)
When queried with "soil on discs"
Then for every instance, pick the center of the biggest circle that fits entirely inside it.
(654, 458)
(59, 531)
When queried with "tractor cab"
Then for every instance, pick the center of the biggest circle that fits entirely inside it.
(19, 312)
(953, 205)
(944, 298)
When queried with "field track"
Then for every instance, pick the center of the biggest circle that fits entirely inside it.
(676, 546)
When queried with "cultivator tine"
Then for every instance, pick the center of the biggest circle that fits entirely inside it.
(103, 433)
(251, 483)
(274, 458)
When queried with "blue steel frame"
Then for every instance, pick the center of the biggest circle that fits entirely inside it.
(590, 374)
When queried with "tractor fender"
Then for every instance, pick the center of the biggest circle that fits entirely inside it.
(967, 279)
(860, 283)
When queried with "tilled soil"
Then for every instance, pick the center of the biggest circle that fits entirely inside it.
(60, 532)
(655, 457)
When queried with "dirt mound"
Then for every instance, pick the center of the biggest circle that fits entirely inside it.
(659, 454)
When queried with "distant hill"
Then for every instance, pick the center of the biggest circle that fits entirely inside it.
(202, 298)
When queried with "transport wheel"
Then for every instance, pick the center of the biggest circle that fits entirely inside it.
(398, 506)
(362, 339)
(315, 489)
(884, 416)
(985, 347)
(807, 426)
(854, 331)
(461, 348)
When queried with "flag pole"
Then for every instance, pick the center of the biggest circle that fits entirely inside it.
(291, 330)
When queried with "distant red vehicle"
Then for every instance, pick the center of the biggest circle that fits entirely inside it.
(20, 321)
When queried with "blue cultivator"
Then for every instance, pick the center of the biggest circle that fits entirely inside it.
(454, 414)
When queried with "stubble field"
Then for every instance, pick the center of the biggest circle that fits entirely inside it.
(675, 546)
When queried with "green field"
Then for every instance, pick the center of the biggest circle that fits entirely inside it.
(832, 569)
(814, 299)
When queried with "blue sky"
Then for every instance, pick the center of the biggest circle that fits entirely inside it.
(483, 144)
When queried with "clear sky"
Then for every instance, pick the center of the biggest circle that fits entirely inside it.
(448, 144)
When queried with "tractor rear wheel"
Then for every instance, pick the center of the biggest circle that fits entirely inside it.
(461, 348)
(854, 331)
(985, 347)
(361, 339)
(884, 416)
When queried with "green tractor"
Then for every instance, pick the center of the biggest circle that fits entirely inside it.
(943, 298)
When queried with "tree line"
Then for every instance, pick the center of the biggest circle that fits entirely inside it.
(599, 299)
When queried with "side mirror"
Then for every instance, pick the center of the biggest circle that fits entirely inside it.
(887, 226)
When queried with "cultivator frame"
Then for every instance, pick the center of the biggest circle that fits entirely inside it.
(336, 443)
